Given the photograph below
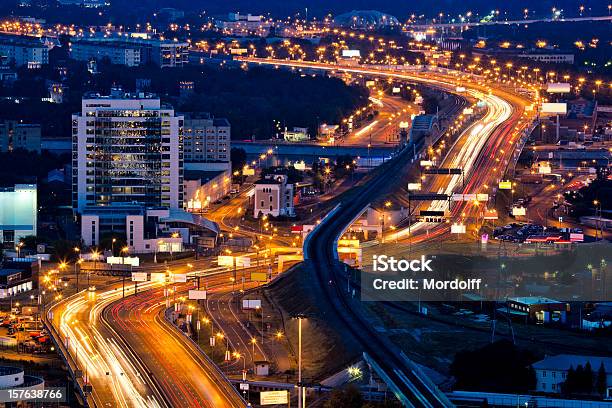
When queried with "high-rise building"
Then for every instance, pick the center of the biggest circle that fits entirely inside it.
(127, 148)
(207, 140)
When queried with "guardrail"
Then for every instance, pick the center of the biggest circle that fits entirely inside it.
(64, 352)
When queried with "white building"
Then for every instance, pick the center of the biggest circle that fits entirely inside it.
(146, 230)
(126, 149)
(551, 372)
(206, 140)
(245, 24)
(298, 134)
(18, 212)
(132, 49)
(274, 196)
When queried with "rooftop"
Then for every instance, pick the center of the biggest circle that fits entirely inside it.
(534, 300)
(565, 361)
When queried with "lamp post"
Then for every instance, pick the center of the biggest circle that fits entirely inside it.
(94, 255)
(124, 251)
(301, 394)
(77, 266)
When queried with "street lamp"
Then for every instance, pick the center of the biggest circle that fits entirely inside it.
(301, 394)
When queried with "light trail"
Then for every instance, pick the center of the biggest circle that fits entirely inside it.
(104, 364)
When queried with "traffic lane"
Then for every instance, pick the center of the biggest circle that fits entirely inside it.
(168, 355)
(115, 381)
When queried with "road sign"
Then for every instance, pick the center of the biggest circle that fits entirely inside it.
(243, 261)
(576, 237)
(178, 277)
(442, 171)
(457, 197)
(490, 214)
(273, 397)
(259, 276)
(458, 229)
(505, 185)
(158, 277)
(428, 197)
(519, 211)
(482, 197)
(414, 186)
(430, 213)
(244, 386)
(469, 197)
(195, 294)
(139, 276)
(225, 260)
(427, 163)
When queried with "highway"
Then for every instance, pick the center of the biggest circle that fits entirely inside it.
(132, 357)
(465, 24)
(116, 376)
(481, 150)
(186, 377)
(403, 377)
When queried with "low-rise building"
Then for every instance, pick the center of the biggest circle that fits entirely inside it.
(298, 134)
(146, 230)
(24, 50)
(205, 187)
(551, 372)
(15, 135)
(274, 197)
(18, 275)
(245, 24)
(18, 212)
(536, 309)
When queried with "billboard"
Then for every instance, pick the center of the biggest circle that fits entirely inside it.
(119, 260)
(18, 209)
(139, 276)
(519, 211)
(554, 108)
(251, 303)
(414, 186)
(559, 87)
(259, 276)
(351, 53)
(197, 294)
(396, 90)
(273, 397)
(247, 171)
(482, 197)
(426, 163)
